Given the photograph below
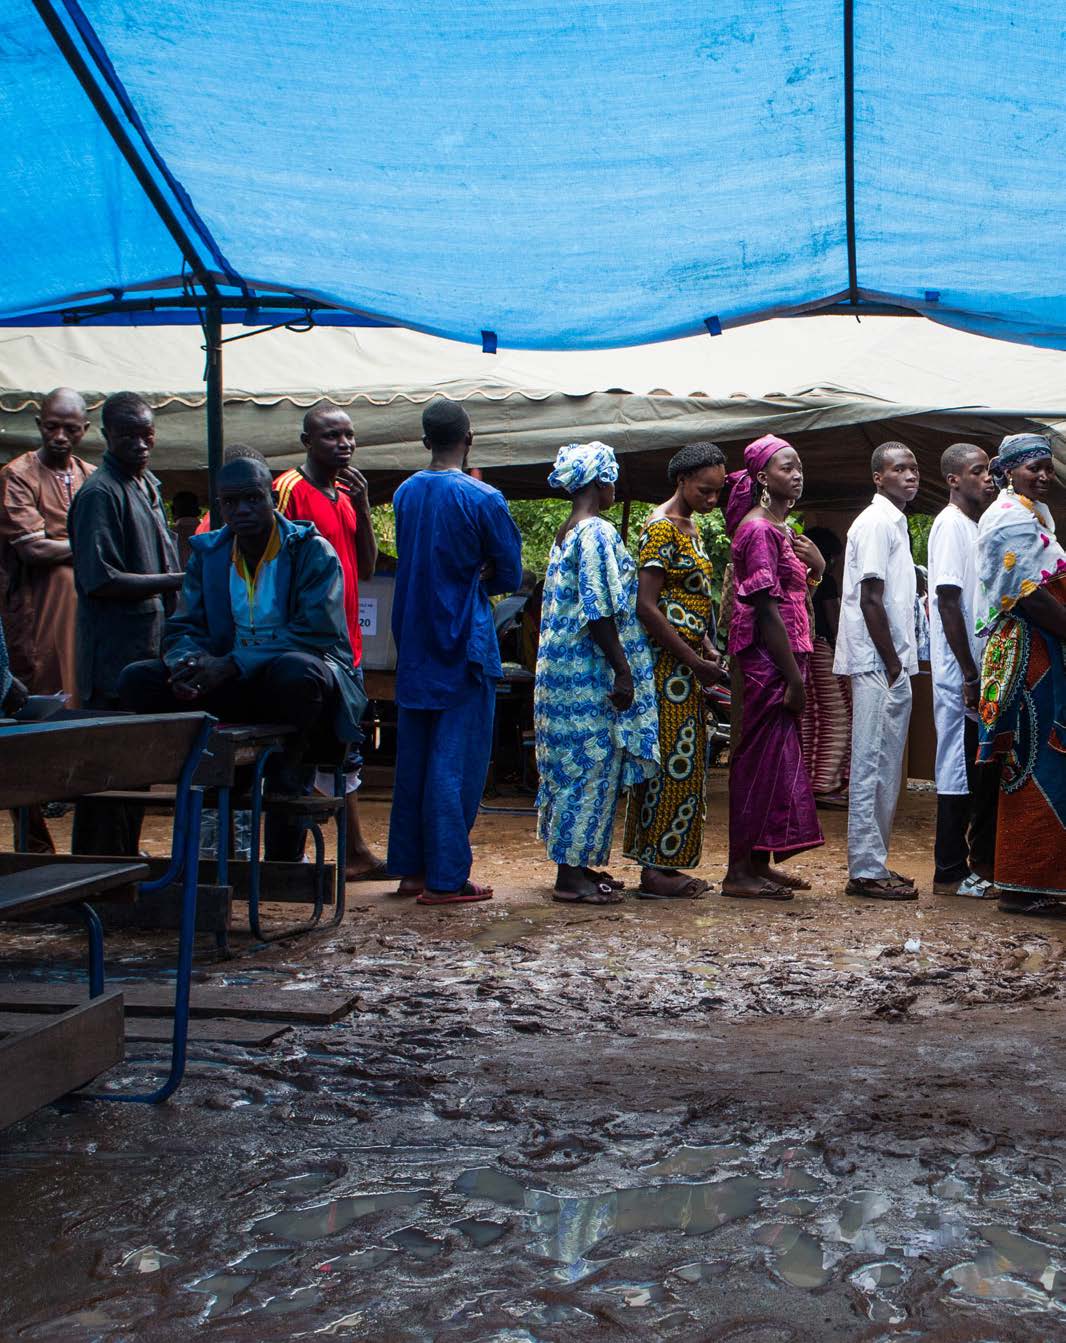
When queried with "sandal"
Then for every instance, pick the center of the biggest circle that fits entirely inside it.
(767, 891)
(615, 883)
(900, 878)
(467, 894)
(1037, 906)
(379, 872)
(693, 889)
(884, 888)
(603, 893)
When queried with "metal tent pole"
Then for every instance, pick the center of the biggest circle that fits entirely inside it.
(213, 379)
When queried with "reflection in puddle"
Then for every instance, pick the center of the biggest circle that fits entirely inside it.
(148, 1259)
(223, 1288)
(326, 1219)
(798, 1256)
(565, 1228)
(480, 1232)
(696, 1160)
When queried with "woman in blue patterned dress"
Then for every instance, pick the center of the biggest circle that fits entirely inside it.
(594, 706)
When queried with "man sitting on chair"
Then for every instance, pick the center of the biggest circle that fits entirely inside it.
(259, 634)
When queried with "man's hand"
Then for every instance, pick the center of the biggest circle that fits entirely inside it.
(971, 695)
(488, 571)
(622, 694)
(197, 676)
(708, 672)
(355, 483)
(893, 671)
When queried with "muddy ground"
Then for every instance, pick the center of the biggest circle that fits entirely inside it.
(703, 1121)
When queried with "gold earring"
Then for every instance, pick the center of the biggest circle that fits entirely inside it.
(1010, 485)
(764, 498)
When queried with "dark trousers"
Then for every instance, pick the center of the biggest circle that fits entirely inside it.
(110, 828)
(295, 689)
(966, 822)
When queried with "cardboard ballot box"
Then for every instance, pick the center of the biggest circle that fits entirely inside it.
(375, 621)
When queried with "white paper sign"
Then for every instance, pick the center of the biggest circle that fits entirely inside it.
(368, 615)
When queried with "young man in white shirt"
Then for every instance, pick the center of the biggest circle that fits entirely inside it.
(965, 808)
(876, 647)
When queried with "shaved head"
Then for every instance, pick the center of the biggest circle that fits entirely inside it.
(62, 424)
(444, 423)
(63, 401)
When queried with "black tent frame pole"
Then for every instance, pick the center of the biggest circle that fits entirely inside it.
(213, 378)
(849, 147)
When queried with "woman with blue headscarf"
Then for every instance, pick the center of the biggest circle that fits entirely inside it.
(595, 712)
(1022, 612)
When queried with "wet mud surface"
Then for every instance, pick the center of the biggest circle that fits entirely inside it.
(703, 1121)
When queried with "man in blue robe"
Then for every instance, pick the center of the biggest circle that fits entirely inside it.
(457, 545)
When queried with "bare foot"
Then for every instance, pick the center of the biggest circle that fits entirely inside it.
(364, 865)
(409, 886)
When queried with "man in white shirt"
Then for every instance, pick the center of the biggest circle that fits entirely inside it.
(965, 829)
(876, 647)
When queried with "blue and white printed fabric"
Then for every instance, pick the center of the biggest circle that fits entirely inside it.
(587, 751)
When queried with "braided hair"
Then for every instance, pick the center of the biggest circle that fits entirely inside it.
(694, 457)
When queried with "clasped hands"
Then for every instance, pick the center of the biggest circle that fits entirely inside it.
(199, 674)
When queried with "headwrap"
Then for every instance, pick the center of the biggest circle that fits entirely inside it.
(1016, 450)
(743, 487)
(579, 464)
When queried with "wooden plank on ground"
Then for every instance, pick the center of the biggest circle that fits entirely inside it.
(250, 1034)
(312, 1007)
(57, 1056)
(280, 883)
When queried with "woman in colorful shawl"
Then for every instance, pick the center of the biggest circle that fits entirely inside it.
(1022, 612)
(594, 711)
(771, 803)
(665, 816)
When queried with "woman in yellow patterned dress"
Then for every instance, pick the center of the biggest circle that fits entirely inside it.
(664, 822)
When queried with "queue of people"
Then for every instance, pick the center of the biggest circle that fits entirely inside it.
(259, 620)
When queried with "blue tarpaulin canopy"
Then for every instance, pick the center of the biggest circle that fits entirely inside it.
(560, 175)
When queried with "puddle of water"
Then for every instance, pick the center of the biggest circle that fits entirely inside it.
(361, 1259)
(326, 1219)
(257, 1259)
(415, 1241)
(481, 1232)
(223, 1288)
(707, 1270)
(972, 1280)
(636, 1295)
(799, 1258)
(301, 1299)
(565, 1228)
(695, 1160)
(1014, 1253)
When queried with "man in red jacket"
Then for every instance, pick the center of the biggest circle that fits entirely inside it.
(328, 491)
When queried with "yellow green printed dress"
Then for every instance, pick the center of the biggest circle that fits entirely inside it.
(664, 821)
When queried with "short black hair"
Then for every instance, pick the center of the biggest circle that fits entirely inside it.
(694, 457)
(445, 422)
(122, 406)
(880, 454)
(323, 408)
(236, 452)
(953, 459)
(243, 469)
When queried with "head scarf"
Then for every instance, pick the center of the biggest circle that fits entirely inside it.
(743, 487)
(1016, 450)
(579, 464)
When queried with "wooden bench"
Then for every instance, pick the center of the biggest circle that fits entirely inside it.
(63, 761)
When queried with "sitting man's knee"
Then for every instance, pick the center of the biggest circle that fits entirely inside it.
(141, 685)
(299, 673)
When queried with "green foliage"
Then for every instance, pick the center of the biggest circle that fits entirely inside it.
(920, 525)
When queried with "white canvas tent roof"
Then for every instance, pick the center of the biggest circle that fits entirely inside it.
(835, 385)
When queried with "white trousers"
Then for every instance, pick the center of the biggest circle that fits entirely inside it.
(881, 715)
(949, 716)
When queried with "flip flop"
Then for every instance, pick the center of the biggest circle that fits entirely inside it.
(898, 876)
(614, 882)
(411, 892)
(793, 883)
(1039, 906)
(603, 894)
(378, 873)
(467, 894)
(768, 891)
